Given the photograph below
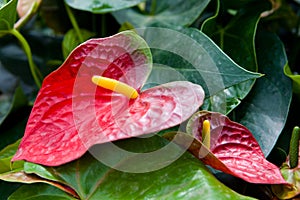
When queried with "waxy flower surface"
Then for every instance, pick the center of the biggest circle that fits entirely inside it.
(232, 149)
(95, 97)
(227, 146)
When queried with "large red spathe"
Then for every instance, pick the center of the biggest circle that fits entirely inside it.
(71, 113)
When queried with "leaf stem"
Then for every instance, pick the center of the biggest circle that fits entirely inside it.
(153, 7)
(294, 147)
(37, 76)
(74, 23)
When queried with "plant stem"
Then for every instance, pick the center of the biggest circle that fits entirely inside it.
(74, 23)
(294, 147)
(37, 76)
(153, 7)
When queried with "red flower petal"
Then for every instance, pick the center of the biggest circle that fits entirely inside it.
(71, 113)
(233, 149)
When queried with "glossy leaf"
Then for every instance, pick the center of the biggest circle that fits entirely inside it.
(259, 112)
(236, 39)
(205, 65)
(21, 177)
(72, 114)
(176, 12)
(71, 40)
(6, 155)
(8, 15)
(40, 191)
(232, 150)
(102, 6)
(14, 172)
(184, 178)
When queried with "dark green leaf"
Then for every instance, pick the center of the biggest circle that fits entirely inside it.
(13, 128)
(102, 6)
(179, 178)
(44, 48)
(8, 14)
(176, 12)
(191, 55)
(265, 111)
(40, 191)
(7, 188)
(236, 38)
(9, 104)
(8, 82)
(71, 40)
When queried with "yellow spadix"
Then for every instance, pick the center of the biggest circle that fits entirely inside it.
(116, 86)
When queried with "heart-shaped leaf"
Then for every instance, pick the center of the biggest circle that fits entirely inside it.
(194, 58)
(233, 149)
(71, 113)
(183, 178)
(176, 12)
(236, 39)
(259, 112)
(102, 6)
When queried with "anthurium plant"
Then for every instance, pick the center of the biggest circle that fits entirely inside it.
(149, 99)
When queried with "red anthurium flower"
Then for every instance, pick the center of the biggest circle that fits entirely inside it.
(230, 148)
(95, 97)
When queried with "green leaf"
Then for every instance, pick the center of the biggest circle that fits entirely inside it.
(8, 15)
(14, 172)
(188, 54)
(7, 188)
(176, 12)
(236, 39)
(6, 155)
(102, 6)
(9, 103)
(295, 78)
(12, 130)
(71, 40)
(264, 111)
(40, 191)
(182, 178)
